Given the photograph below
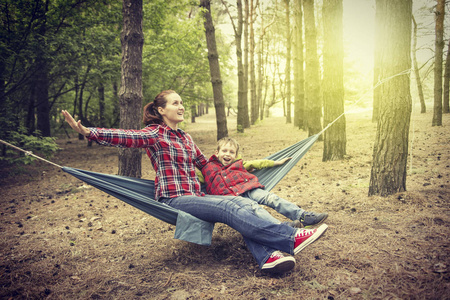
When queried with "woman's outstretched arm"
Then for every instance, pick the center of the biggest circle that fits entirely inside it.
(74, 124)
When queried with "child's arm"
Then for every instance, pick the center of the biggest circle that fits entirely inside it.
(252, 165)
(281, 162)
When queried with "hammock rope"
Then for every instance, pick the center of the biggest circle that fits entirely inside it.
(380, 82)
(29, 153)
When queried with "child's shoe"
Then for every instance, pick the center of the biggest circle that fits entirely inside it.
(304, 237)
(311, 218)
(278, 263)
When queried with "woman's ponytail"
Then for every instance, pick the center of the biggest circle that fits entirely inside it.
(151, 114)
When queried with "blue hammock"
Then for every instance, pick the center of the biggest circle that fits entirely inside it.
(139, 192)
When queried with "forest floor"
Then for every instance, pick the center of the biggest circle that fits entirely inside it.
(62, 239)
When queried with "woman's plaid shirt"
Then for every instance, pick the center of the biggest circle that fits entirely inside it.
(173, 154)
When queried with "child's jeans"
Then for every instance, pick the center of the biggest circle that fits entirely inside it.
(282, 206)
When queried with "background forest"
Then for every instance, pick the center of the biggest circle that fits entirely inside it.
(378, 70)
(66, 54)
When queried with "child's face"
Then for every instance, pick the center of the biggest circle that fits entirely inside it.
(226, 154)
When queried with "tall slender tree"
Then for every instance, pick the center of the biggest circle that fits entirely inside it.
(254, 109)
(333, 81)
(438, 49)
(240, 66)
(288, 62)
(130, 92)
(312, 72)
(423, 108)
(41, 83)
(390, 152)
(445, 100)
(379, 38)
(216, 80)
(245, 111)
(299, 85)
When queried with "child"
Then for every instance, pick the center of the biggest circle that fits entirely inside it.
(226, 174)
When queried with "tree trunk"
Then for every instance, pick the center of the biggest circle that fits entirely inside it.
(116, 106)
(81, 115)
(299, 89)
(30, 122)
(130, 92)
(254, 106)
(288, 64)
(390, 152)
(241, 119)
(333, 81)
(193, 112)
(41, 79)
(447, 81)
(101, 105)
(245, 111)
(260, 74)
(379, 40)
(312, 72)
(213, 58)
(423, 108)
(439, 46)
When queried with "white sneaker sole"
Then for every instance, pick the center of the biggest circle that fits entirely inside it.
(281, 265)
(320, 230)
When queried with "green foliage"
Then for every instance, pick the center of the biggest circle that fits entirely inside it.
(38, 145)
(78, 43)
(175, 55)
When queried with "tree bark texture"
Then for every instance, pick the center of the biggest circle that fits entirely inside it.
(299, 85)
(245, 111)
(445, 100)
(288, 64)
(101, 105)
(423, 108)
(41, 77)
(213, 58)
(333, 81)
(130, 92)
(379, 40)
(241, 73)
(254, 104)
(438, 49)
(312, 72)
(390, 152)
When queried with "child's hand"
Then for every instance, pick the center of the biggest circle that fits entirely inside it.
(280, 162)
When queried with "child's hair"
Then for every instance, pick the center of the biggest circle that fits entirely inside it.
(227, 140)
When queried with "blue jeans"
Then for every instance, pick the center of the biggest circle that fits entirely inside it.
(261, 236)
(284, 207)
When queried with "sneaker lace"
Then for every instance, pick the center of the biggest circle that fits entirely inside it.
(302, 232)
(276, 254)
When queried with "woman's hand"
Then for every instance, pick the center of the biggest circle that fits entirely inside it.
(74, 124)
(280, 162)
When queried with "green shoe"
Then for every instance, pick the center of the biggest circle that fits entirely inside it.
(309, 219)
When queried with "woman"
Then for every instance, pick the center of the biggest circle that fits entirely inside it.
(174, 157)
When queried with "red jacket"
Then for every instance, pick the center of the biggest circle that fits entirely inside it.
(232, 179)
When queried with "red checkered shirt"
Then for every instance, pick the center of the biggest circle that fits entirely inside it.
(232, 179)
(173, 154)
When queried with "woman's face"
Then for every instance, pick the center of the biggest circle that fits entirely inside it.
(173, 113)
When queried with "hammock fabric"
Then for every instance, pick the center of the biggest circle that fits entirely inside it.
(139, 192)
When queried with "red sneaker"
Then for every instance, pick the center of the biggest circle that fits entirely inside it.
(305, 237)
(278, 263)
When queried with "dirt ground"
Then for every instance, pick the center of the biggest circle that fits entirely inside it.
(62, 239)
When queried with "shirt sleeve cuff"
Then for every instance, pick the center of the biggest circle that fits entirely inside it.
(93, 134)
